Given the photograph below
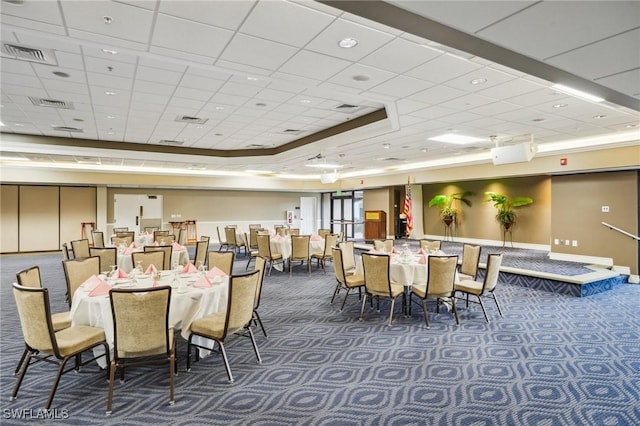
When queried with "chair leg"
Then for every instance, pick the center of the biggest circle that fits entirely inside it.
(260, 323)
(226, 361)
(112, 378)
(455, 311)
(189, 354)
(255, 345)
(484, 311)
(345, 299)
(172, 366)
(24, 355)
(23, 371)
(424, 311)
(364, 300)
(336, 291)
(495, 299)
(393, 302)
(54, 387)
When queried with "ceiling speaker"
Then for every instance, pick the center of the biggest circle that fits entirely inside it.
(514, 154)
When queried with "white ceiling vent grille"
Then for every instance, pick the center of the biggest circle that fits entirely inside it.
(171, 142)
(191, 120)
(292, 131)
(256, 146)
(33, 54)
(67, 129)
(51, 103)
(348, 108)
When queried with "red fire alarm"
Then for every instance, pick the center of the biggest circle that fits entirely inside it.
(563, 161)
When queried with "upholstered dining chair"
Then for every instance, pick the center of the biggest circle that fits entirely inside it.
(343, 280)
(202, 248)
(98, 239)
(470, 261)
(377, 281)
(253, 251)
(80, 248)
(165, 240)
(160, 233)
(323, 232)
(439, 286)
(223, 261)
(430, 245)
(129, 235)
(166, 251)
(30, 277)
(294, 231)
(486, 287)
(236, 319)
(108, 257)
(77, 271)
(141, 332)
(223, 243)
(232, 240)
(65, 252)
(330, 241)
(121, 229)
(385, 246)
(120, 241)
(264, 250)
(148, 258)
(300, 252)
(348, 257)
(44, 343)
(261, 267)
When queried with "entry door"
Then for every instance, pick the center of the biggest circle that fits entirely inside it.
(129, 209)
(308, 218)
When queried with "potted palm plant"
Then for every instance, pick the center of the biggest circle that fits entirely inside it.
(506, 215)
(448, 213)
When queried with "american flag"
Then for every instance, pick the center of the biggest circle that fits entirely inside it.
(407, 210)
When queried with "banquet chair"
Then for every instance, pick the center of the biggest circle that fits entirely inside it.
(264, 251)
(430, 245)
(121, 229)
(121, 241)
(30, 277)
(439, 286)
(44, 343)
(98, 239)
(148, 258)
(253, 251)
(80, 248)
(202, 248)
(282, 231)
(129, 235)
(223, 243)
(182, 236)
(377, 281)
(65, 252)
(261, 267)
(343, 280)
(223, 261)
(484, 288)
(322, 232)
(300, 252)
(166, 250)
(255, 225)
(385, 246)
(348, 257)
(470, 260)
(253, 241)
(236, 319)
(108, 257)
(330, 242)
(294, 231)
(77, 271)
(232, 240)
(165, 240)
(150, 229)
(207, 239)
(141, 332)
(159, 233)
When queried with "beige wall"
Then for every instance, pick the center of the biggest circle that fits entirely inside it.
(577, 202)
(77, 205)
(39, 218)
(380, 199)
(9, 218)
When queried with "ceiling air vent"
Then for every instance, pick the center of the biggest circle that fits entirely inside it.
(171, 142)
(190, 120)
(292, 131)
(348, 108)
(67, 129)
(26, 53)
(51, 103)
(256, 146)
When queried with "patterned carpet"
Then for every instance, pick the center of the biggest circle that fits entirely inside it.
(552, 360)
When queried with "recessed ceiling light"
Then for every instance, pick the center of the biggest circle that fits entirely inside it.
(360, 77)
(110, 116)
(110, 132)
(348, 43)
(110, 51)
(252, 78)
(219, 108)
(424, 150)
(305, 101)
(455, 139)
(61, 74)
(537, 120)
(559, 105)
(324, 165)
(597, 117)
(478, 81)
(578, 93)
(386, 145)
(18, 124)
(261, 104)
(107, 19)
(631, 126)
(110, 93)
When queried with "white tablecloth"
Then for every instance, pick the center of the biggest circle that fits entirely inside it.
(125, 261)
(406, 271)
(185, 306)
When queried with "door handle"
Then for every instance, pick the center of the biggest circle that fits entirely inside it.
(137, 220)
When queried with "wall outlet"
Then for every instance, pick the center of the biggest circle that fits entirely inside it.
(574, 243)
(567, 242)
(556, 241)
(605, 209)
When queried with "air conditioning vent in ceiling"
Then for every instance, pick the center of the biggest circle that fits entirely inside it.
(292, 131)
(51, 103)
(390, 159)
(256, 146)
(347, 106)
(191, 120)
(171, 142)
(26, 53)
(67, 129)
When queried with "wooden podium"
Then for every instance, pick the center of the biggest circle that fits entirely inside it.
(375, 225)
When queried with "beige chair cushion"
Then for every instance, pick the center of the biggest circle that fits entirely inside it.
(419, 290)
(61, 320)
(354, 280)
(153, 351)
(464, 277)
(468, 286)
(210, 326)
(75, 339)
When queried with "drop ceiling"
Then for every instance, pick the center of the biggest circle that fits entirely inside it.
(230, 86)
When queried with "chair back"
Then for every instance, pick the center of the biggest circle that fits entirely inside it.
(470, 260)
(255, 225)
(166, 250)
(121, 229)
(35, 318)
(150, 229)
(261, 267)
(348, 255)
(441, 275)
(264, 245)
(205, 238)
(330, 241)
(282, 231)
(148, 258)
(494, 260)
(80, 248)
(300, 246)
(165, 240)
(294, 231)
(240, 302)
(338, 265)
(323, 232)
(118, 241)
(29, 277)
(220, 240)
(98, 239)
(141, 321)
(430, 245)
(77, 271)
(159, 233)
(202, 248)
(376, 273)
(230, 235)
(182, 236)
(130, 235)
(108, 256)
(221, 260)
(383, 245)
(65, 252)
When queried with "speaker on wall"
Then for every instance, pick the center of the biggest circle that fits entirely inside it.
(520, 153)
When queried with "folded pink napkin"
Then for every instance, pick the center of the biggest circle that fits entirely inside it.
(394, 250)
(316, 238)
(423, 259)
(189, 268)
(155, 284)
(278, 238)
(203, 282)
(155, 243)
(122, 274)
(91, 282)
(101, 289)
(127, 251)
(421, 251)
(176, 247)
(216, 272)
(133, 245)
(151, 269)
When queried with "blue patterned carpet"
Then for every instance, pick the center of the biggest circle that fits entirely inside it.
(552, 360)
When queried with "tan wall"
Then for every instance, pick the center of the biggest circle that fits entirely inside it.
(9, 218)
(39, 218)
(380, 199)
(577, 202)
(77, 205)
(478, 221)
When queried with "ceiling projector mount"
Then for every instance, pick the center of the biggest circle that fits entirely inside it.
(520, 153)
(328, 177)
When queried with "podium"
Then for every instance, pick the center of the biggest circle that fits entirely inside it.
(192, 231)
(375, 225)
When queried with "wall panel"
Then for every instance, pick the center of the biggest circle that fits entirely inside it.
(39, 218)
(77, 205)
(9, 218)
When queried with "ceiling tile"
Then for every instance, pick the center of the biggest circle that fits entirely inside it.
(399, 56)
(314, 65)
(187, 36)
(245, 49)
(443, 68)
(225, 14)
